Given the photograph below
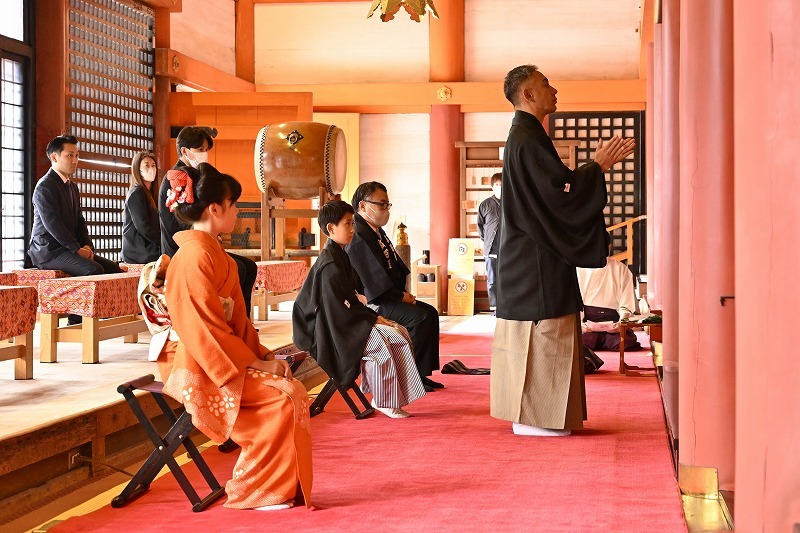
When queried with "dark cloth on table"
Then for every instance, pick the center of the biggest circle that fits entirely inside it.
(328, 320)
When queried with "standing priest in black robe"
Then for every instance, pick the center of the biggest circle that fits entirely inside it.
(552, 219)
(384, 274)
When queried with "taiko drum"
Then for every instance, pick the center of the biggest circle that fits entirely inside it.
(296, 159)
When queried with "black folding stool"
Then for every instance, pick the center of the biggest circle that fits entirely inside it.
(165, 447)
(331, 387)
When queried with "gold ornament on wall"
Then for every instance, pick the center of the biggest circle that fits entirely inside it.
(416, 9)
(444, 93)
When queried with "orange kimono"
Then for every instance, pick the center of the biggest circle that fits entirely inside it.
(266, 415)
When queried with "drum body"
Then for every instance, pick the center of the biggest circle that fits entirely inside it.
(295, 159)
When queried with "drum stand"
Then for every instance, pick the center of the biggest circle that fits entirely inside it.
(274, 209)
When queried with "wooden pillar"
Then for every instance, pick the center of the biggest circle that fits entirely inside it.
(446, 36)
(163, 147)
(706, 271)
(767, 111)
(649, 122)
(447, 127)
(245, 40)
(655, 220)
(670, 183)
(446, 41)
(51, 77)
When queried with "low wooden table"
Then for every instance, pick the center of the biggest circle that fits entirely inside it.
(277, 281)
(17, 323)
(106, 302)
(632, 370)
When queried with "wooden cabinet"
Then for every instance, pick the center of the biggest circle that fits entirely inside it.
(478, 162)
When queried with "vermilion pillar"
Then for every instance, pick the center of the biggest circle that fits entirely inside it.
(447, 126)
(706, 271)
(649, 169)
(670, 185)
(767, 188)
(655, 221)
(162, 143)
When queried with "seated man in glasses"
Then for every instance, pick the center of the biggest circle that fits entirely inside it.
(384, 274)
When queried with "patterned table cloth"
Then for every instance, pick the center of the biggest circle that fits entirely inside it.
(280, 276)
(8, 278)
(32, 276)
(102, 296)
(19, 316)
(132, 268)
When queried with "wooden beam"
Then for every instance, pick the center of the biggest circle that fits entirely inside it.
(573, 95)
(645, 34)
(175, 6)
(180, 68)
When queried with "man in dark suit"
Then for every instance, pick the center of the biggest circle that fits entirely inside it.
(383, 275)
(60, 239)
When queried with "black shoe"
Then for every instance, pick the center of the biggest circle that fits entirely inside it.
(74, 320)
(428, 382)
(428, 388)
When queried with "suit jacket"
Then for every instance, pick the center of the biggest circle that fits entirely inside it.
(377, 264)
(58, 224)
(489, 224)
(328, 320)
(141, 237)
(552, 221)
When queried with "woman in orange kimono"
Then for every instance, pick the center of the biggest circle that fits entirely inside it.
(231, 384)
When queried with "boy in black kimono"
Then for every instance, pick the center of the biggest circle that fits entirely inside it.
(331, 322)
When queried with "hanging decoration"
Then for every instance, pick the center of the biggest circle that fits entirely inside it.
(416, 9)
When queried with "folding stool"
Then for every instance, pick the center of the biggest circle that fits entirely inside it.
(165, 447)
(332, 386)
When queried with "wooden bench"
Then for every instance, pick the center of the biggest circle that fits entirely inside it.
(17, 323)
(277, 281)
(106, 302)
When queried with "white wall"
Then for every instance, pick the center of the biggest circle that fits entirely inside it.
(395, 150)
(336, 43)
(206, 30)
(487, 126)
(566, 39)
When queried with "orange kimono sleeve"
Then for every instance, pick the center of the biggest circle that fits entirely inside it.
(196, 281)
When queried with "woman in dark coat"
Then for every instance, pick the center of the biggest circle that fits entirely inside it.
(141, 235)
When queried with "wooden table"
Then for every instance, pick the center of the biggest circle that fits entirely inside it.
(632, 370)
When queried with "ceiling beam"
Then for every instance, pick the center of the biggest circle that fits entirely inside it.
(621, 95)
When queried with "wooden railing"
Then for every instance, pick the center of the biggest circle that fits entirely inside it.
(627, 254)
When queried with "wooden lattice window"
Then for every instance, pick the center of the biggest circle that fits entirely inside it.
(625, 183)
(109, 107)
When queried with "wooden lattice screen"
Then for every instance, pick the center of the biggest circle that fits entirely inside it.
(626, 193)
(109, 107)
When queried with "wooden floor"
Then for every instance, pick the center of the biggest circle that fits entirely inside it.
(69, 387)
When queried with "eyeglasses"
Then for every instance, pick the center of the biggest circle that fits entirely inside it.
(384, 205)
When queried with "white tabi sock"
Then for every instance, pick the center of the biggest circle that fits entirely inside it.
(276, 507)
(391, 412)
(532, 431)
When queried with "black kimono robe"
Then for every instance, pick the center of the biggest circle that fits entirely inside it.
(377, 263)
(552, 220)
(328, 320)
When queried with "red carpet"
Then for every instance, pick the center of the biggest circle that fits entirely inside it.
(451, 467)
